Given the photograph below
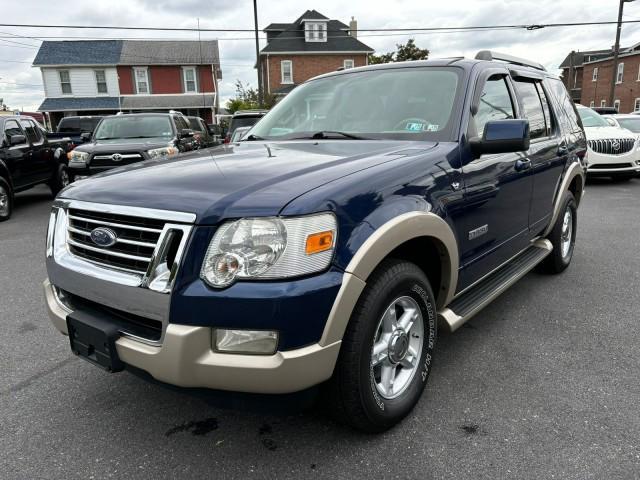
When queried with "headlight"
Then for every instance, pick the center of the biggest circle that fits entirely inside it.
(77, 159)
(163, 151)
(269, 248)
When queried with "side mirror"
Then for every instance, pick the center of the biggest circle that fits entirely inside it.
(611, 122)
(17, 140)
(85, 136)
(186, 133)
(502, 136)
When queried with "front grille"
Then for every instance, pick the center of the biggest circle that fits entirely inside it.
(612, 146)
(136, 242)
(609, 166)
(115, 159)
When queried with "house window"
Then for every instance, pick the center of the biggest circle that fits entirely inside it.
(603, 103)
(348, 63)
(616, 105)
(190, 82)
(142, 80)
(595, 74)
(65, 82)
(592, 104)
(315, 31)
(620, 73)
(636, 105)
(286, 69)
(101, 81)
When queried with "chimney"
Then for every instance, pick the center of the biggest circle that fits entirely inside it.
(353, 28)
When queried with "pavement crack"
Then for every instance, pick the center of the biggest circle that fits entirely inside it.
(33, 378)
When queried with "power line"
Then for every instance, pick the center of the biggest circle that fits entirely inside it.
(533, 26)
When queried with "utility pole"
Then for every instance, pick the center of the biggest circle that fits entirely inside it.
(258, 66)
(616, 52)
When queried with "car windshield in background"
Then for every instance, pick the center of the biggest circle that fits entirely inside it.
(134, 127)
(632, 124)
(591, 118)
(238, 122)
(399, 103)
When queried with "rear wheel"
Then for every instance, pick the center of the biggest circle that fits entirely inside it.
(387, 350)
(6, 200)
(562, 237)
(61, 179)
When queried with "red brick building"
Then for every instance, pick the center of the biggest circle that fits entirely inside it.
(311, 45)
(588, 76)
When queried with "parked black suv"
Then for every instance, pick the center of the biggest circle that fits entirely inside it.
(28, 158)
(128, 138)
(243, 118)
(202, 138)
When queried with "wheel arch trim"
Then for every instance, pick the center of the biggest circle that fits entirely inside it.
(376, 248)
(575, 170)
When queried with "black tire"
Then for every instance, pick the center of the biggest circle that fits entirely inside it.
(61, 179)
(557, 261)
(352, 393)
(6, 200)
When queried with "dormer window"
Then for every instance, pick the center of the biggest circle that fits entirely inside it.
(315, 31)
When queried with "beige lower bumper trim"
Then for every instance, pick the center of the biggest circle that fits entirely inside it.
(185, 359)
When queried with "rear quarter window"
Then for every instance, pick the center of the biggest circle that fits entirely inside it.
(567, 114)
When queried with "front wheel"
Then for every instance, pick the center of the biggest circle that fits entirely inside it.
(562, 237)
(61, 179)
(6, 200)
(387, 350)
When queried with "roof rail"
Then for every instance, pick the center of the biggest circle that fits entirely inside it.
(489, 56)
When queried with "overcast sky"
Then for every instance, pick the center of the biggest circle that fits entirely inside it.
(21, 84)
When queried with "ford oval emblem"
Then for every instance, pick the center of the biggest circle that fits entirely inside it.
(103, 237)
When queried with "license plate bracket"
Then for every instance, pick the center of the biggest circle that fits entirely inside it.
(93, 338)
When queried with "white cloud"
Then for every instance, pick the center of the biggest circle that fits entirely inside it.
(548, 46)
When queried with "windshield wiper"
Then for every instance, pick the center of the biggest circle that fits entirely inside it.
(326, 134)
(253, 137)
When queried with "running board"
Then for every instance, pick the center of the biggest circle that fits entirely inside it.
(464, 307)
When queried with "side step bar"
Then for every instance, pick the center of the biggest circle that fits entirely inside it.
(465, 306)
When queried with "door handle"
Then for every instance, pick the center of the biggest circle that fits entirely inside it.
(523, 164)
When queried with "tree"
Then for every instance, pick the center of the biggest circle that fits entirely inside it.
(408, 51)
(247, 99)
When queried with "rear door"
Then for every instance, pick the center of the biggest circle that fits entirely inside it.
(18, 157)
(548, 152)
(494, 223)
(41, 156)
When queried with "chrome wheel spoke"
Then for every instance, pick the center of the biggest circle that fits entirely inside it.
(387, 376)
(389, 320)
(407, 319)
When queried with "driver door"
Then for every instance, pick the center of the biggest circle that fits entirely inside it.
(493, 225)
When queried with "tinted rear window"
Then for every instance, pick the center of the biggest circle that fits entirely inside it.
(242, 122)
(69, 125)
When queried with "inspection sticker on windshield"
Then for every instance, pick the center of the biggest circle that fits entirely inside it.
(421, 127)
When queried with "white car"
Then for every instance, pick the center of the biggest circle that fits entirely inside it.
(613, 151)
(628, 120)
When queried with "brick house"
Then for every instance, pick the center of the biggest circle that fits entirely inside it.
(311, 45)
(102, 77)
(590, 75)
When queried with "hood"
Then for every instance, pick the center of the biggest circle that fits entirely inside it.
(123, 145)
(600, 133)
(246, 179)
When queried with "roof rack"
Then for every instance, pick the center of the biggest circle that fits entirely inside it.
(489, 56)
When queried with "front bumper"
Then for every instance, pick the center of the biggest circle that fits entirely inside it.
(602, 164)
(185, 358)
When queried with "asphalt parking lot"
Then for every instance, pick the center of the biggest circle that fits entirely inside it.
(544, 383)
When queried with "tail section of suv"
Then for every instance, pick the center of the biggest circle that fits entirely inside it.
(368, 207)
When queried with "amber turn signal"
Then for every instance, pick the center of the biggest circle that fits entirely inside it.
(319, 242)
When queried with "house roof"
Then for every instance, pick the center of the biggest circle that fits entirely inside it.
(79, 52)
(587, 56)
(291, 37)
(78, 103)
(127, 52)
(140, 52)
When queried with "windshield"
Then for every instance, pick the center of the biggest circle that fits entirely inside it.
(591, 118)
(237, 122)
(632, 124)
(400, 103)
(134, 127)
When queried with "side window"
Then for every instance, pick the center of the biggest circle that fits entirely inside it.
(37, 132)
(567, 107)
(547, 109)
(495, 103)
(30, 130)
(532, 108)
(180, 123)
(12, 128)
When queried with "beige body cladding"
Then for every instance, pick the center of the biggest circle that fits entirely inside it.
(186, 359)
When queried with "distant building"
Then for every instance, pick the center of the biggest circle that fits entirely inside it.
(311, 45)
(588, 76)
(100, 77)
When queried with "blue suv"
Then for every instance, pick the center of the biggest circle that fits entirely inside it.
(369, 207)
